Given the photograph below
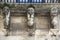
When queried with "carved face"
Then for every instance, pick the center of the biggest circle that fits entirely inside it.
(54, 11)
(6, 10)
(30, 10)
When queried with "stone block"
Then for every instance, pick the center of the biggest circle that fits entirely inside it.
(1, 22)
(53, 31)
(3, 32)
(37, 32)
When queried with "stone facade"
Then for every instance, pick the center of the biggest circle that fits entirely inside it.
(42, 21)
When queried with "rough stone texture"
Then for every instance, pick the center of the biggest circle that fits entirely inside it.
(42, 23)
(53, 31)
(16, 38)
(27, 38)
(2, 30)
(38, 7)
(59, 21)
(1, 22)
(19, 23)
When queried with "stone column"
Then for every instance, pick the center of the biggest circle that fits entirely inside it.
(2, 30)
(55, 1)
(45, 1)
(58, 1)
(8, 1)
(3, 1)
(26, 1)
(14, 1)
(52, 1)
(48, 1)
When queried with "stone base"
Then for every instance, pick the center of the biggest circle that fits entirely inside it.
(3, 32)
(53, 31)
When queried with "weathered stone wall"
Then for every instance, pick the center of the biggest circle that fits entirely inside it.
(1, 20)
(42, 19)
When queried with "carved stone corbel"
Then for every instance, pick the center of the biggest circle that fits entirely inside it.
(54, 17)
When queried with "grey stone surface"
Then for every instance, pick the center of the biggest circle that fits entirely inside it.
(16, 38)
